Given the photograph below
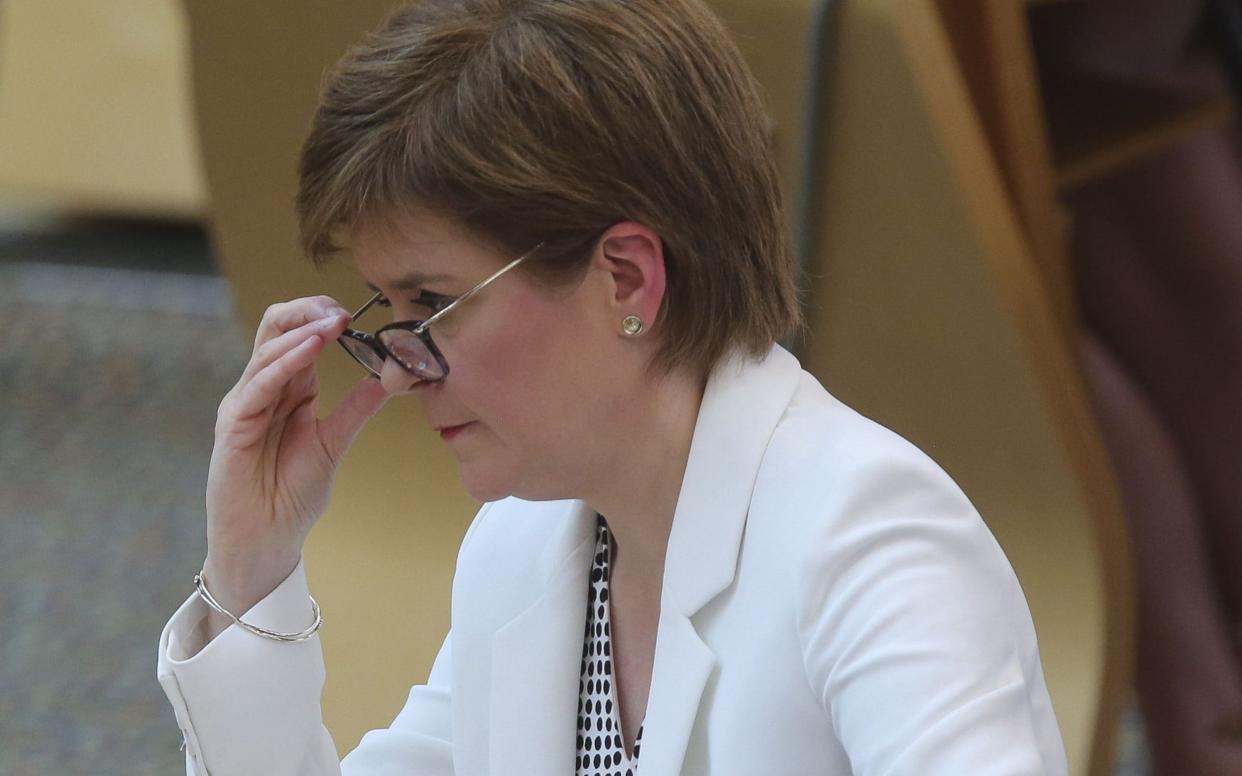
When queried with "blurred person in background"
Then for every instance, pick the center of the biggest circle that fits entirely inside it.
(1158, 249)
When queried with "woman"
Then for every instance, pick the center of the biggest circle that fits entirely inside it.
(691, 558)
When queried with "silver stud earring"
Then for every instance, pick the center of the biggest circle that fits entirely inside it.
(632, 325)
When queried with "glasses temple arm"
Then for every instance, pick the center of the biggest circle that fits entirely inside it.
(366, 305)
(478, 288)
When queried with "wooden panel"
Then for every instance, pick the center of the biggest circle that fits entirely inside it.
(990, 39)
(95, 109)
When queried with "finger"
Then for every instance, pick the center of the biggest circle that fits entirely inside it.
(267, 387)
(265, 354)
(302, 390)
(287, 316)
(337, 431)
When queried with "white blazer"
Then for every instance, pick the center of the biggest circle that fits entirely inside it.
(832, 604)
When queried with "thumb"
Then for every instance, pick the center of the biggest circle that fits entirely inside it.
(337, 431)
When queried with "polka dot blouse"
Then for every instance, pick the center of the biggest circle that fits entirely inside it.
(601, 749)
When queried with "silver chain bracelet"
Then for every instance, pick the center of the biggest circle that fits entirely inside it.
(201, 587)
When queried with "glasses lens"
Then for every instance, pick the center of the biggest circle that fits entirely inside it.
(412, 353)
(364, 354)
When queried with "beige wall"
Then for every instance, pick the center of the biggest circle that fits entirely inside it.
(95, 109)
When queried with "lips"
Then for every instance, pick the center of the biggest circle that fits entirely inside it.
(448, 432)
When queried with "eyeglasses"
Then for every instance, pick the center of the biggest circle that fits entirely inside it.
(408, 342)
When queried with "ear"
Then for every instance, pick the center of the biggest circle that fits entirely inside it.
(632, 258)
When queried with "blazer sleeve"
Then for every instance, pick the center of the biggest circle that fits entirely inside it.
(248, 705)
(916, 635)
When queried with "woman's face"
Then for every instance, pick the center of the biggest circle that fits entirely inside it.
(535, 373)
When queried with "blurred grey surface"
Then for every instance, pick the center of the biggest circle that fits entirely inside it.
(118, 344)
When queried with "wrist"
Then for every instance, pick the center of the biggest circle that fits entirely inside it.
(238, 584)
(271, 617)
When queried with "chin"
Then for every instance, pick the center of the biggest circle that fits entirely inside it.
(484, 486)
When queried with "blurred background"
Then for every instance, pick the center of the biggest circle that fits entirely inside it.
(1020, 223)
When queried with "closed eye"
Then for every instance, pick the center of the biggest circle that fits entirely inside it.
(433, 302)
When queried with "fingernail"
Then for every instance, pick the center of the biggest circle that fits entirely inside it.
(332, 312)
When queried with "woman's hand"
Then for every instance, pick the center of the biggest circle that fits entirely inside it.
(274, 461)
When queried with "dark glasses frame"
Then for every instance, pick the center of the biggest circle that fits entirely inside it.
(418, 328)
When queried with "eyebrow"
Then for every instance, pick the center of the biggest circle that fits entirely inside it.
(412, 280)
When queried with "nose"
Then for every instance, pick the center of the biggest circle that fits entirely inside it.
(395, 379)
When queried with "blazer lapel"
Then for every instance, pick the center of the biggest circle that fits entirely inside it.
(536, 660)
(742, 403)
(683, 664)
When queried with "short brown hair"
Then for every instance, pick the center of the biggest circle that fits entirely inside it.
(550, 120)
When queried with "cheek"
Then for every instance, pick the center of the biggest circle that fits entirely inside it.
(513, 370)
(538, 381)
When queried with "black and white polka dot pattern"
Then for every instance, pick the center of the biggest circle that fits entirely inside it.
(601, 749)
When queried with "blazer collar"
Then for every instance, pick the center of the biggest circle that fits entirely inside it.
(742, 403)
(536, 656)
